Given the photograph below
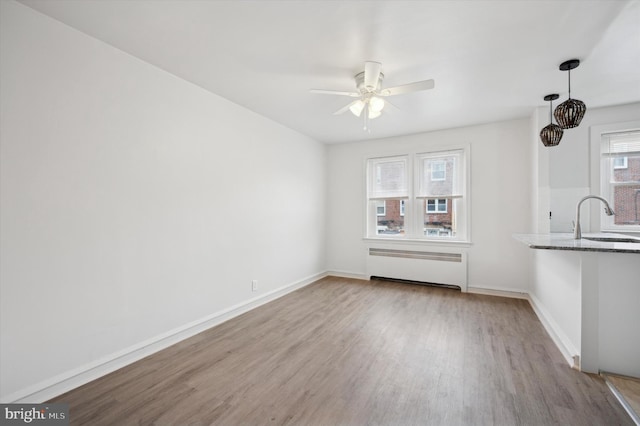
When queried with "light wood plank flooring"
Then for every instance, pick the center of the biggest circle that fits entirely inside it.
(351, 352)
(629, 390)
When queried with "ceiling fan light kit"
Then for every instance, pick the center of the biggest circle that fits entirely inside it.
(373, 104)
(568, 114)
(376, 104)
(357, 107)
(371, 94)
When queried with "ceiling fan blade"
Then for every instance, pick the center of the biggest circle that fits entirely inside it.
(346, 107)
(393, 108)
(335, 92)
(408, 88)
(371, 75)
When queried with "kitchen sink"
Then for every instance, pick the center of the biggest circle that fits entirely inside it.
(613, 239)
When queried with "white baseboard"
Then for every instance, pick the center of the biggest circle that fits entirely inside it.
(498, 292)
(559, 338)
(346, 274)
(69, 380)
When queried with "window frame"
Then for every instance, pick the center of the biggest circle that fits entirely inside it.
(414, 205)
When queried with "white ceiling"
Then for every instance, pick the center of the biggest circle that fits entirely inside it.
(491, 60)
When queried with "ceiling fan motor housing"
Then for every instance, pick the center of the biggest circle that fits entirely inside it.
(360, 83)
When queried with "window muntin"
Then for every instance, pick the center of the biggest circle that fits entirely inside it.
(417, 205)
(620, 179)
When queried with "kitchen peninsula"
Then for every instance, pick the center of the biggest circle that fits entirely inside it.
(587, 294)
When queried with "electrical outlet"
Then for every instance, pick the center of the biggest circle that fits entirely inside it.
(254, 285)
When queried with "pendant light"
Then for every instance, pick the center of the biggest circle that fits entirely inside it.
(569, 113)
(551, 134)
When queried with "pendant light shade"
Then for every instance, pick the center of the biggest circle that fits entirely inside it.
(551, 134)
(569, 113)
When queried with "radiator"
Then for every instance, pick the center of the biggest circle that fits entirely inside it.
(436, 267)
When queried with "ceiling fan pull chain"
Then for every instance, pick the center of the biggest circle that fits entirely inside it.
(366, 117)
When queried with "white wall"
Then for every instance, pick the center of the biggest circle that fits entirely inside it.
(539, 181)
(500, 199)
(618, 314)
(133, 202)
(556, 294)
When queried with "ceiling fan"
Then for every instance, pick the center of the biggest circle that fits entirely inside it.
(370, 94)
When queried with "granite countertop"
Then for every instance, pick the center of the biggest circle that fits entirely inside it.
(562, 241)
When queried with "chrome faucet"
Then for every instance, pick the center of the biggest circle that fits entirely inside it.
(577, 232)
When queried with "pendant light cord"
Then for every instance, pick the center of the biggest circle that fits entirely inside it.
(569, 71)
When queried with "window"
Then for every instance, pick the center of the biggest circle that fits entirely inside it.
(424, 196)
(620, 162)
(438, 170)
(437, 205)
(620, 179)
(387, 186)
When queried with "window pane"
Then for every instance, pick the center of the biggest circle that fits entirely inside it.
(626, 169)
(620, 168)
(440, 174)
(440, 223)
(388, 177)
(392, 222)
(626, 204)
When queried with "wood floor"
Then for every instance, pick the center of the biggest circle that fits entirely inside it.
(628, 388)
(350, 352)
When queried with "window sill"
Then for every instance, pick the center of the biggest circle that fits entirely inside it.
(418, 242)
